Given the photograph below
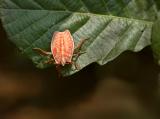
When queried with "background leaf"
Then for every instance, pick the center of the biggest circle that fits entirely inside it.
(112, 26)
(156, 38)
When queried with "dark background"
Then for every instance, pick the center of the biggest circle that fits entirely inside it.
(126, 88)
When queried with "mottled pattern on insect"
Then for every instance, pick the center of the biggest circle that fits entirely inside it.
(62, 50)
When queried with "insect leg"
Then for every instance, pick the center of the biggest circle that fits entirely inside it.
(45, 53)
(58, 69)
(42, 52)
(50, 61)
(77, 53)
(77, 67)
(79, 46)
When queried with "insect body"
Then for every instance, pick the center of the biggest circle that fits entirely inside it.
(62, 49)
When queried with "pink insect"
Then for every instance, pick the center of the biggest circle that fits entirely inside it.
(62, 50)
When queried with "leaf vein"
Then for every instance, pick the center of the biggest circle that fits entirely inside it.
(65, 7)
(38, 4)
(14, 3)
(93, 14)
(120, 39)
(63, 19)
(84, 5)
(29, 25)
(106, 7)
(102, 29)
(138, 39)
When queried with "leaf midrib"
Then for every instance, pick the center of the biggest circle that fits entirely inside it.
(88, 14)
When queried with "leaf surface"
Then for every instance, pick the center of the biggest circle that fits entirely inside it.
(110, 26)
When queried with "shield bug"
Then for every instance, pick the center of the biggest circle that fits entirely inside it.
(62, 50)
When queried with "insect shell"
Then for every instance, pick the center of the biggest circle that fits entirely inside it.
(62, 50)
(62, 47)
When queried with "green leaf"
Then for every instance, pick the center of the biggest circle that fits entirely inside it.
(156, 39)
(112, 26)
